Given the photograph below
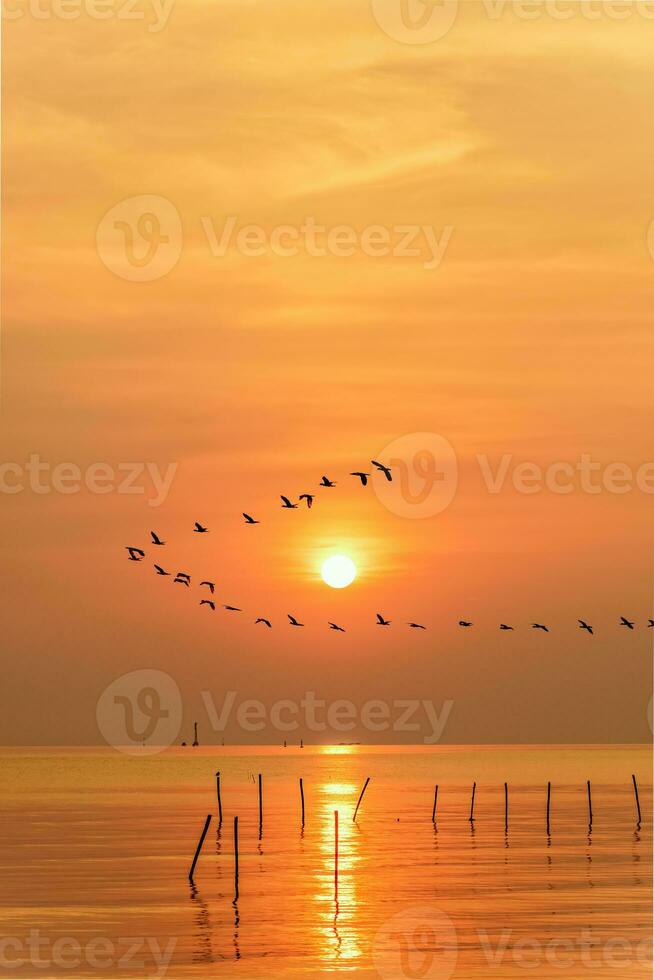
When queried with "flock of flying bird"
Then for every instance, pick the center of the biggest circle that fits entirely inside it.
(183, 578)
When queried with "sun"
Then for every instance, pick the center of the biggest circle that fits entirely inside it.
(339, 571)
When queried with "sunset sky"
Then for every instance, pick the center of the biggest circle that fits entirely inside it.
(524, 145)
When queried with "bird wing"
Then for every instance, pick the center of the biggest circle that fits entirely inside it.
(287, 502)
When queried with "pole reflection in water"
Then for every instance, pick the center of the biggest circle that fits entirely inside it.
(202, 950)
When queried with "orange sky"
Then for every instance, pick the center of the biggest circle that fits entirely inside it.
(530, 140)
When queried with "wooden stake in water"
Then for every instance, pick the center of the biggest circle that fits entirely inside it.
(433, 812)
(336, 855)
(549, 793)
(235, 858)
(199, 847)
(220, 805)
(472, 803)
(360, 798)
(633, 778)
(302, 798)
(260, 804)
(506, 807)
(590, 804)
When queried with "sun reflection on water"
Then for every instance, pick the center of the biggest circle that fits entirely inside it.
(337, 908)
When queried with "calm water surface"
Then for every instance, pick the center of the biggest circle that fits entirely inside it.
(97, 848)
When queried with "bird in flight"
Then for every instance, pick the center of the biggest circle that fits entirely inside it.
(416, 626)
(381, 621)
(293, 620)
(266, 622)
(249, 520)
(309, 497)
(362, 476)
(183, 578)
(211, 585)
(585, 626)
(135, 554)
(651, 623)
(626, 622)
(325, 482)
(339, 629)
(208, 602)
(539, 626)
(286, 503)
(161, 571)
(199, 529)
(503, 626)
(463, 622)
(386, 470)
(233, 608)
(156, 539)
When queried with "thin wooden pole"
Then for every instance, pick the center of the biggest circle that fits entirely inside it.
(506, 807)
(199, 847)
(260, 804)
(633, 778)
(549, 793)
(360, 798)
(472, 803)
(220, 805)
(336, 855)
(302, 798)
(590, 804)
(235, 858)
(433, 812)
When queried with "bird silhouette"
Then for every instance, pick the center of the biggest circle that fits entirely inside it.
(381, 621)
(503, 626)
(211, 585)
(309, 497)
(135, 554)
(293, 621)
(339, 629)
(325, 482)
(199, 529)
(416, 626)
(386, 470)
(463, 622)
(161, 571)
(362, 476)
(249, 520)
(286, 503)
(651, 623)
(156, 539)
(182, 579)
(233, 608)
(626, 622)
(585, 626)
(208, 602)
(266, 622)
(539, 626)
